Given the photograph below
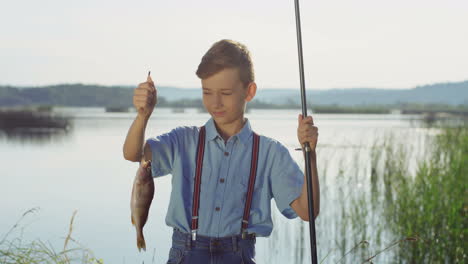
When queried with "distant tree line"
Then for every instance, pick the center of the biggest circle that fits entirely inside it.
(79, 95)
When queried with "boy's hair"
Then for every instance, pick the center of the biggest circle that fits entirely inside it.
(224, 54)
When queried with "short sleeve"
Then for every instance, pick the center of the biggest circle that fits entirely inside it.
(287, 180)
(163, 150)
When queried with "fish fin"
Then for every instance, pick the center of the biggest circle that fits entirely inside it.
(133, 222)
(141, 241)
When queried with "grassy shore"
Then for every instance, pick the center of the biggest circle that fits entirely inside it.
(421, 217)
(432, 206)
(15, 250)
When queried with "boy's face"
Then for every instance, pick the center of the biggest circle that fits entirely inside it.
(224, 96)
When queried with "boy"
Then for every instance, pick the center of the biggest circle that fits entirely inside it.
(224, 174)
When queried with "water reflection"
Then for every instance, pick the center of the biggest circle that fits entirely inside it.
(34, 135)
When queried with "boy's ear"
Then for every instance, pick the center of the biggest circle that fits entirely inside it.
(251, 91)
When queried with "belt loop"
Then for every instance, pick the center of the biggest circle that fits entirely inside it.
(234, 243)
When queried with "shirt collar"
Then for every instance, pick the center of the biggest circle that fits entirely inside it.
(243, 135)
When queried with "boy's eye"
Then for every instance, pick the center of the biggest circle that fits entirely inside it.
(206, 93)
(226, 93)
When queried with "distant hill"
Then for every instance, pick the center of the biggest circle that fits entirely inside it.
(454, 93)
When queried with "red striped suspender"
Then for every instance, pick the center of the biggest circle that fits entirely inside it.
(253, 176)
(197, 184)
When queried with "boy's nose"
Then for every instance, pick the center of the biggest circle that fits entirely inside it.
(218, 102)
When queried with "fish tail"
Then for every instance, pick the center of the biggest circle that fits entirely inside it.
(141, 240)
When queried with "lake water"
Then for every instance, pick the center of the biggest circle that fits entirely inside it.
(84, 170)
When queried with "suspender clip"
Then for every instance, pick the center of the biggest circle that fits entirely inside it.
(244, 234)
(194, 235)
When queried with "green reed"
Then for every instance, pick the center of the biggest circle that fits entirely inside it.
(18, 251)
(433, 205)
(420, 217)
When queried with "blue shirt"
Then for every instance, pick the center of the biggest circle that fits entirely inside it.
(224, 182)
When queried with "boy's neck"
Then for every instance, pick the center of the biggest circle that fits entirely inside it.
(228, 130)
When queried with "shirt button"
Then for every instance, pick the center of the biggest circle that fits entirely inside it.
(221, 180)
(217, 208)
(226, 153)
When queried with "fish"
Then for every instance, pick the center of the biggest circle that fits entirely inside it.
(140, 202)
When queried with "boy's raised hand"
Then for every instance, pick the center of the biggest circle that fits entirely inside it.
(307, 132)
(145, 98)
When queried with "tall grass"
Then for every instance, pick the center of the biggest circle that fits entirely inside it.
(18, 251)
(433, 205)
(421, 216)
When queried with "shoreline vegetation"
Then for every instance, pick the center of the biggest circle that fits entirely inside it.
(17, 250)
(420, 216)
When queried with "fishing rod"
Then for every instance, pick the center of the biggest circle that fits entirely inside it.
(313, 244)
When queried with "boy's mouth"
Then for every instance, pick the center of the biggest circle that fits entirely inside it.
(219, 114)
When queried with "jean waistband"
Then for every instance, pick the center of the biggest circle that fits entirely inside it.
(228, 243)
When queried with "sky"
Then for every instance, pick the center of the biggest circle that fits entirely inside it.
(394, 44)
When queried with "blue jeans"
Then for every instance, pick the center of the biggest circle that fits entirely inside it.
(211, 250)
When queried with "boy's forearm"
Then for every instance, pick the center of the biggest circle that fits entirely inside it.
(303, 199)
(133, 146)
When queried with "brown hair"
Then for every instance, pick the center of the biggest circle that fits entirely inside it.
(224, 54)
